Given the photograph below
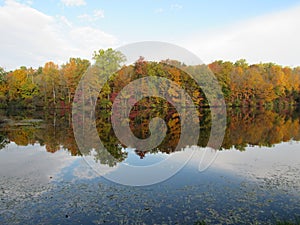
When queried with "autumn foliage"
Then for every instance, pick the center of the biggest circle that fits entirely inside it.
(243, 85)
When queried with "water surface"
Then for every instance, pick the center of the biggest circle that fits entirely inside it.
(45, 179)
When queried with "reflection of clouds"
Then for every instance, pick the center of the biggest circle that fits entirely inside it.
(27, 171)
(32, 162)
(279, 164)
(134, 175)
(85, 171)
(201, 158)
(97, 168)
(260, 160)
(31, 167)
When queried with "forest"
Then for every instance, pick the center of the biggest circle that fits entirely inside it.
(261, 101)
(260, 85)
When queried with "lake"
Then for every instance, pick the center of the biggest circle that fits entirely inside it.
(45, 178)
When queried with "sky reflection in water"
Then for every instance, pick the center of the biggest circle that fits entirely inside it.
(257, 184)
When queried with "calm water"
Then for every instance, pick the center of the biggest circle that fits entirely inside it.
(45, 179)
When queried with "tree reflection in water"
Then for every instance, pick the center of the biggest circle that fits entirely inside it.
(245, 127)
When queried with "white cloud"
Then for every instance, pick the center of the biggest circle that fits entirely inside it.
(73, 2)
(173, 7)
(91, 39)
(33, 38)
(99, 13)
(159, 10)
(96, 15)
(65, 21)
(176, 6)
(273, 37)
(85, 17)
(29, 2)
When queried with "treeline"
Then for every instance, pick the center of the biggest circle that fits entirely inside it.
(48, 86)
(54, 86)
(257, 84)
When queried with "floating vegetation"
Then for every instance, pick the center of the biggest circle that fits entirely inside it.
(213, 200)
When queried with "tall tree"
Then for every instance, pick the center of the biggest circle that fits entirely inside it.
(107, 62)
(50, 82)
(72, 72)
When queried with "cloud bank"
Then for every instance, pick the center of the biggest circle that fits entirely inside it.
(33, 38)
(270, 38)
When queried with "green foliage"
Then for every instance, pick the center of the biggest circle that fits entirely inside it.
(108, 60)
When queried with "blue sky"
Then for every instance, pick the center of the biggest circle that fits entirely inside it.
(157, 19)
(39, 31)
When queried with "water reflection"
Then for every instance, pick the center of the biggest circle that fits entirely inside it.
(53, 130)
(260, 183)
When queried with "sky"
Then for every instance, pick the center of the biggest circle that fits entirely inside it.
(34, 32)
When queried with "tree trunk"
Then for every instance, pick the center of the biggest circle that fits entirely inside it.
(54, 95)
